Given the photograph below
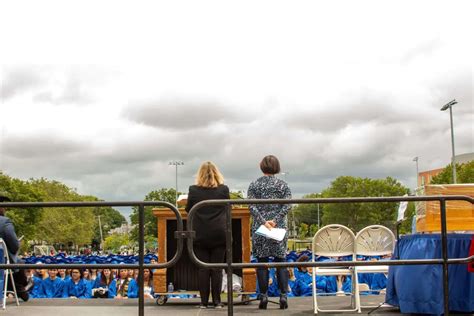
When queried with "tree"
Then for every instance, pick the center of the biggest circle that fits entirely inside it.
(24, 219)
(113, 242)
(464, 174)
(308, 213)
(360, 215)
(64, 225)
(303, 231)
(150, 227)
(110, 218)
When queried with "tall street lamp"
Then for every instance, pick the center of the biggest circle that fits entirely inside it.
(416, 160)
(101, 235)
(292, 224)
(449, 106)
(176, 163)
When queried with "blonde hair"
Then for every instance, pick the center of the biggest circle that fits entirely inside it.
(209, 176)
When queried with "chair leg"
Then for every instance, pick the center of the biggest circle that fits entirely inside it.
(5, 284)
(355, 284)
(14, 287)
(315, 300)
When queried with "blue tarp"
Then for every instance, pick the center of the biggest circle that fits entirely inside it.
(90, 259)
(419, 289)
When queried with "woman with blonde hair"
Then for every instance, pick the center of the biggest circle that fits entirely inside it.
(209, 222)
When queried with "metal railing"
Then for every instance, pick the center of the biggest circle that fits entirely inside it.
(189, 234)
(229, 266)
(141, 253)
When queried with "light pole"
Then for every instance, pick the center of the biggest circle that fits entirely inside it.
(318, 217)
(292, 224)
(176, 163)
(449, 106)
(101, 236)
(416, 160)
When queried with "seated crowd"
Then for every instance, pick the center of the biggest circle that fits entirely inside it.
(300, 281)
(84, 283)
(123, 283)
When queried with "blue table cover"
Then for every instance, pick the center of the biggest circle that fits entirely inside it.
(419, 289)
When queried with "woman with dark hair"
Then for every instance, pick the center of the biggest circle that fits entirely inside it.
(209, 223)
(148, 284)
(76, 286)
(126, 287)
(104, 285)
(270, 215)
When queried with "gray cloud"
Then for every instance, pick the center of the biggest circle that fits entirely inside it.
(424, 49)
(52, 84)
(17, 80)
(182, 114)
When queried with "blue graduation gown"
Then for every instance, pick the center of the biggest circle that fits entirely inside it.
(79, 290)
(112, 287)
(35, 291)
(132, 288)
(304, 284)
(52, 288)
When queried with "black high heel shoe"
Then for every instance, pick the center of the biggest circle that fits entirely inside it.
(263, 301)
(283, 301)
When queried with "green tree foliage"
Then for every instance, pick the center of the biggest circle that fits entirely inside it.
(64, 225)
(150, 227)
(24, 219)
(360, 215)
(110, 218)
(308, 213)
(303, 231)
(56, 225)
(113, 242)
(464, 174)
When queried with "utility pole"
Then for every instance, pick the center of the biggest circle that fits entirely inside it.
(176, 164)
(101, 236)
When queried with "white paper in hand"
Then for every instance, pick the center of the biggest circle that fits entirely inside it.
(275, 233)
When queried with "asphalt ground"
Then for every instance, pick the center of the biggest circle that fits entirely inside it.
(177, 307)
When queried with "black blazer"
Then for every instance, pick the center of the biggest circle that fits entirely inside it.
(209, 222)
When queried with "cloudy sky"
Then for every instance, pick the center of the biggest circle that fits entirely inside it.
(102, 96)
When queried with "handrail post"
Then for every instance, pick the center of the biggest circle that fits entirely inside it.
(444, 248)
(141, 257)
(228, 241)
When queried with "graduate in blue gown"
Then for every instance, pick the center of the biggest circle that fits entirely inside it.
(126, 286)
(291, 282)
(52, 286)
(35, 291)
(62, 274)
(104, 285)
(304, 282)
(76, 286)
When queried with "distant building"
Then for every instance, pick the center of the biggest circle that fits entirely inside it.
(125, 229)
(425, 177)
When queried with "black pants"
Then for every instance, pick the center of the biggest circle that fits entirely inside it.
(20, 279)
(210, 255)
(263, 276)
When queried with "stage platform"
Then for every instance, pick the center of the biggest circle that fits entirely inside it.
(178, 307)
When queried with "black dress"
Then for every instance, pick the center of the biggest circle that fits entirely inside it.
(209, 222)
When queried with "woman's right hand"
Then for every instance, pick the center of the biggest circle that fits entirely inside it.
(269, 224)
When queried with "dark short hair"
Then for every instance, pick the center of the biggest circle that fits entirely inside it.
(270, 165)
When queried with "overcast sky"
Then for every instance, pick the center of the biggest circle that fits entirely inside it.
(102, 96)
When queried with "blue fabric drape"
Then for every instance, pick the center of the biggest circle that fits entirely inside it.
(419, 289)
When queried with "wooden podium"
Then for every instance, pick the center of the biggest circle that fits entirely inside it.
(184, 275)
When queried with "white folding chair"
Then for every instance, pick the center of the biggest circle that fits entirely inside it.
(7, 273)
(335, 241)
(374, 240)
